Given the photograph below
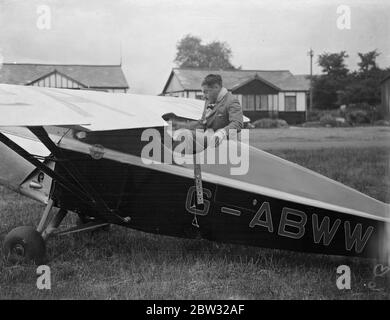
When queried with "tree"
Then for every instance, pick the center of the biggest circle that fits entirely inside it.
(338, 86)
(333, 64)
(192, 53)
(368, 61)
(189, 53)
(364, 84)
(327, 87)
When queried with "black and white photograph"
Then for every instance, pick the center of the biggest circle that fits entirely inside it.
(195, 155)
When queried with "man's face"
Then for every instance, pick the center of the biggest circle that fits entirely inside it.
(211, 92)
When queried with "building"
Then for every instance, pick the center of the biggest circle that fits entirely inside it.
(108, 78)
(262, 94)
(385, 96)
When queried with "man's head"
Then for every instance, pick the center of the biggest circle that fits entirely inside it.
(211, 87)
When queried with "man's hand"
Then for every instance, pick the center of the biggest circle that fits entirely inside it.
(219, 136)
(177, 124)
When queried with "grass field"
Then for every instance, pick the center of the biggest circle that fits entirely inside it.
(127, 264)
(314, 138)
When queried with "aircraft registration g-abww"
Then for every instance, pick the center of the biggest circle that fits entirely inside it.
(80, 152)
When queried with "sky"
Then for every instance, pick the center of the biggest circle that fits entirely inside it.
(262, 34)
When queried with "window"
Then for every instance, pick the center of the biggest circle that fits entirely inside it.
(263, 102)
(290, 103)
(248, 102)
(260, 104)
(270, 103)
(257, 102)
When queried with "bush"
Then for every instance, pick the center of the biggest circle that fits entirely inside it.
(355, 114)
(266, 123)
(358, 117)
(248, 125)
(382, 123)
(282, 123)
(359, 106)
(311, 124)
(315, 115)
(362, 113)
(328, 120)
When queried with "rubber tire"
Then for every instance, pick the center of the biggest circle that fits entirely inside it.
(30, 240)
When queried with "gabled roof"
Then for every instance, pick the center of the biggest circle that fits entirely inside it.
(284, 80)
(255, 77)
(93, 76)
(385, 78)
(303, 79)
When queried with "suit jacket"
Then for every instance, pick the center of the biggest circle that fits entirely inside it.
(227, 114)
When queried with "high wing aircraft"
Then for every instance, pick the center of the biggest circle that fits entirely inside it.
(80, 152)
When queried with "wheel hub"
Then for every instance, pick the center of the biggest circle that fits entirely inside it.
(18, 250)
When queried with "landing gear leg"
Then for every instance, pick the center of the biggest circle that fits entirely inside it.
(54, 223)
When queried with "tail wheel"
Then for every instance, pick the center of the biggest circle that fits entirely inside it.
(24, 244)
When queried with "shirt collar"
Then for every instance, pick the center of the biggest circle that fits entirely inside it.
(221, 94)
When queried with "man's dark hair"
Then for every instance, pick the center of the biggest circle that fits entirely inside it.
(212, 79)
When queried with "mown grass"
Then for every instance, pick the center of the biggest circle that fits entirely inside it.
(127, 264)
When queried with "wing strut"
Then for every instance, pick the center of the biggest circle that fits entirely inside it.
(98, 204)
(45, 169)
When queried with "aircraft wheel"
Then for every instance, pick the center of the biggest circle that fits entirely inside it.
(24, 244)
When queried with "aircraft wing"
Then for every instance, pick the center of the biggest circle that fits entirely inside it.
(95, 110)
(30, 106)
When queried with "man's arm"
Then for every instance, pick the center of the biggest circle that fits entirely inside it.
(190, 125)
(236, 117)
(236, 122)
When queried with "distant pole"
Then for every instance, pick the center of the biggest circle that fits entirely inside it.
(120, 53)
(310, 107)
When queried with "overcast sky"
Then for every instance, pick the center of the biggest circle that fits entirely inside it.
(267, 35)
